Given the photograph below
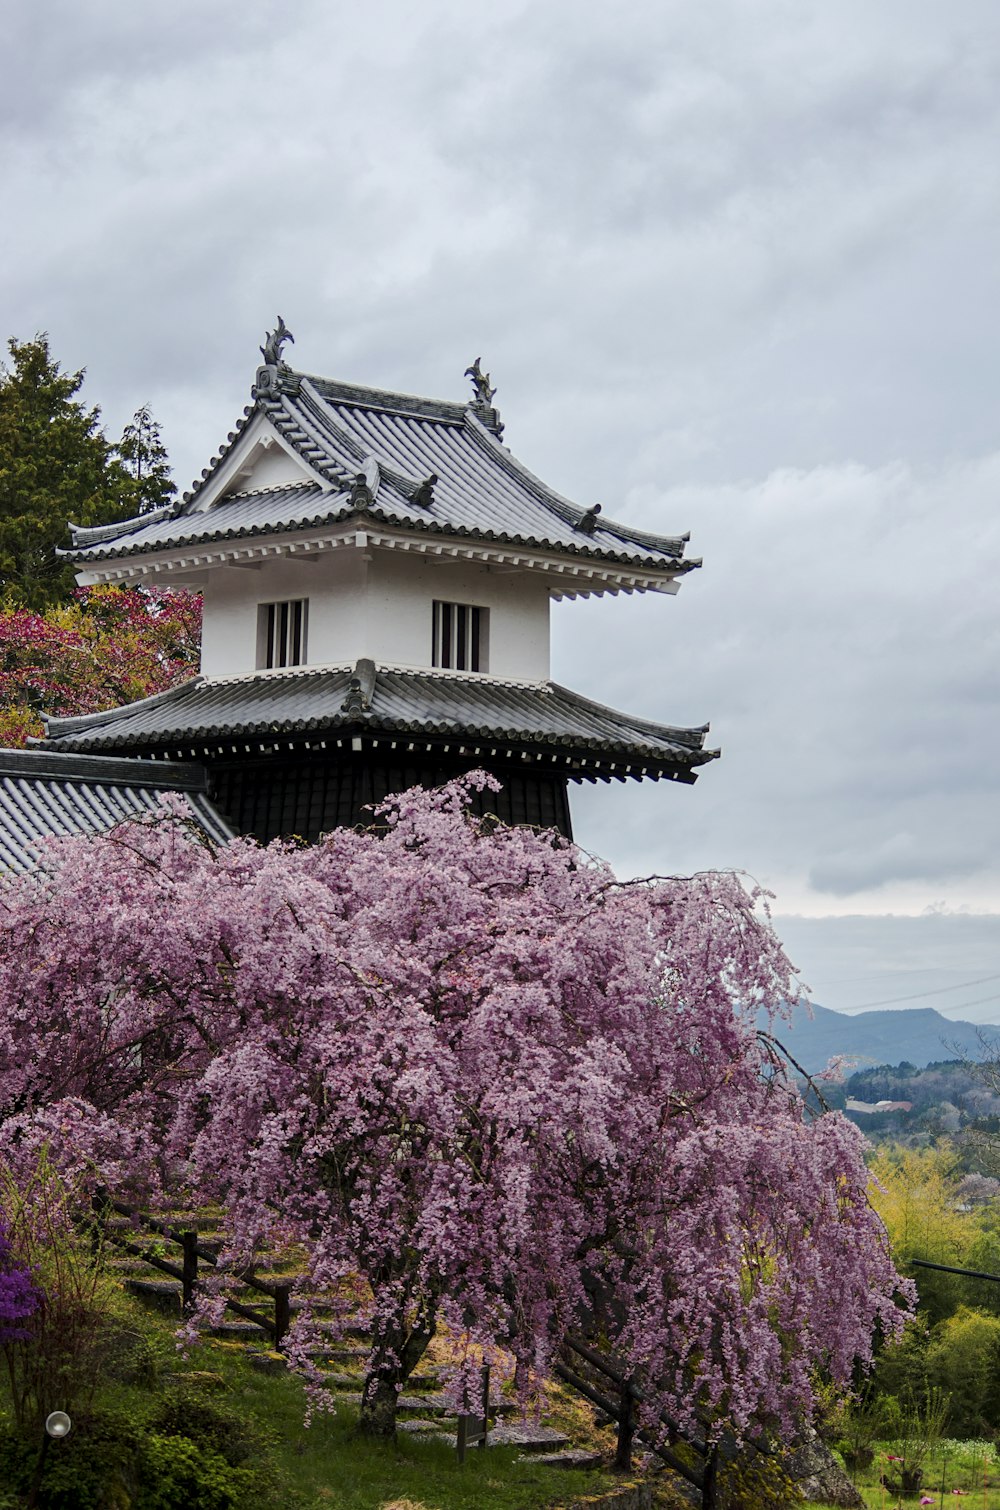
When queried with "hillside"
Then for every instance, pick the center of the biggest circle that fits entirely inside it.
(918, 1035)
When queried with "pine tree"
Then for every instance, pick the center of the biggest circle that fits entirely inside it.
(56, 465)
(145, 457)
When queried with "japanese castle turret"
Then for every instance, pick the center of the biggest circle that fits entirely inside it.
(377, 572)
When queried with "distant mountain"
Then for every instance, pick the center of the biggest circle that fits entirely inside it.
(918, 1035)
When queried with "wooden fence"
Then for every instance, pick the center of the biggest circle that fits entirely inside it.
(274, 1322)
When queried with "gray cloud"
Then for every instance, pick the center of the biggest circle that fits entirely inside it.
(735, 269)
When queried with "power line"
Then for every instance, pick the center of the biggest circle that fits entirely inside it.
(889, 1001)
(960, 1006)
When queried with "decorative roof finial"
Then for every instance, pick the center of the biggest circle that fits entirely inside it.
(482, 403)
(481, 384)
(273, 342)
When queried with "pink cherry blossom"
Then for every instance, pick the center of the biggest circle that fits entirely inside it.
(483, 1084)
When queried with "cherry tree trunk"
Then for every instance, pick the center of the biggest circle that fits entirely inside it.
(396, 1352)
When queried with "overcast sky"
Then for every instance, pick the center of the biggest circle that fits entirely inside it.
(734, 268)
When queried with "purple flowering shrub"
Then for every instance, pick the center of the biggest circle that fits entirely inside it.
(56, 1297)
(485, 1085)
(19, 1295)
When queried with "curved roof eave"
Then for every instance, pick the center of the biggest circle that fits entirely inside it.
(678, 566)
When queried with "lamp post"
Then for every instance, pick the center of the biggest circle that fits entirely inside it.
(57, 1425)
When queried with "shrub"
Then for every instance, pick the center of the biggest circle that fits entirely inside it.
(54, 1360)
(963, 1358)
(178, 1474)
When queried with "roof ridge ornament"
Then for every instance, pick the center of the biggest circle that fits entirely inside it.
(270, 373)
(482, 403)
(423, 496)
(361, 688)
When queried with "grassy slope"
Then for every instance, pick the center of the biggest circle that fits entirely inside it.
(327, 1465)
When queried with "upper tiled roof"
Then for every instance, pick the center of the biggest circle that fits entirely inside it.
(46, 794)
(468, 713)
(338, 430)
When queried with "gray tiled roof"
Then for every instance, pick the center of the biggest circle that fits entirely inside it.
(45, 794)
(467, 711)
(482, 492)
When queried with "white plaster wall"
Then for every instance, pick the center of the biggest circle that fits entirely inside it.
(378, 604)
(273, 467)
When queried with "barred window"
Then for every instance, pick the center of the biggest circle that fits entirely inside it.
(281, 633)
(460, 637)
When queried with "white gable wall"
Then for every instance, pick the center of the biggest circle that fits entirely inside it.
(377, 604)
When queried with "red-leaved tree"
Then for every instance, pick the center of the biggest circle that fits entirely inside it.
(464, 1066)
(111, 645)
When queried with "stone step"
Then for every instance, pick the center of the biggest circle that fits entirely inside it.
(571, 1457)
(534, 1441)
(340, 1380)
(528, 1436)
(163, 1295)
(239, 1331)
(407, 1405)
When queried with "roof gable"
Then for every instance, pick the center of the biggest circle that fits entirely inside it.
(260, 458)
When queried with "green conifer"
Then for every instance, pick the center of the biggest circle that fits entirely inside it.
(56, 465)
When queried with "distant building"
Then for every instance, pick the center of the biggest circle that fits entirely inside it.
(869, 1108)
(377, 571)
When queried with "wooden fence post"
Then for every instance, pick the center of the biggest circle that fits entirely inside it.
(709, 1497)
(100, 1205)
(472, 1428)
(282, 1312)
(486, 1405)
(189, 1268)
(626, 1429)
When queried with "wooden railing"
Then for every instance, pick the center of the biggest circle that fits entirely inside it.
(192, 1253)
(618, 1399)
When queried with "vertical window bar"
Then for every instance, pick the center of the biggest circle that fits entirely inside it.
(474, 657)
(446, 618)
(270, 635)
(295, 659)
(283, 634)
(461, 629)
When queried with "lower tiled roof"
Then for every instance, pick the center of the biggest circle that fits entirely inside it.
(44, 794)
(466, 714)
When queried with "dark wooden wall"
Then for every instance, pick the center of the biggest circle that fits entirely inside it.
(306, 795)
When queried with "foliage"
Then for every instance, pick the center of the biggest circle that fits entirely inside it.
(56, 465)
(110, 646)
(463, 1062)
(56, 1364)
(178, 1475)
(916, 1195)
(145, 456)
(963, 1360)
(915, 1425)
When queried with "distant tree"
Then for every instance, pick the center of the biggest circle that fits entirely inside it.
(145, 458)
(917, 1198)
(110, 645)
(56, 465)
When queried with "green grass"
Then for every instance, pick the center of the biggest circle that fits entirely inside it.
(971, 1468)
(327, 1465)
